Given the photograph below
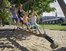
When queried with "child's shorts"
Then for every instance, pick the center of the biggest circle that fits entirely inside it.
(21, 20)
(16, 19)
(27, 24)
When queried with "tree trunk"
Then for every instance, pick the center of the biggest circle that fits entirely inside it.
(0, 22)
(63, 6)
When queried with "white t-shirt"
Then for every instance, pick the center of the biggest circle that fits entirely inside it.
(33, 20)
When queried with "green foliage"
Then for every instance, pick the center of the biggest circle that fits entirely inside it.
(4, 10)
(38, 5)
(43, 5)
(4, 4)
(4, 14)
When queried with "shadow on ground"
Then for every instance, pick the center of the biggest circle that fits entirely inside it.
(61, 49)
(16, 34)
(12, 36)
(17, 45)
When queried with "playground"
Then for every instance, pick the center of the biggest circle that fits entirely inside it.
(20, 29)
(30, 42)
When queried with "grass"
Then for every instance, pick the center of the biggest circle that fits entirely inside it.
(54, 27)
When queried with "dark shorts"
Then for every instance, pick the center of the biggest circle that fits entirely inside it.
(27, 24)
(16, 19)
(20, 20)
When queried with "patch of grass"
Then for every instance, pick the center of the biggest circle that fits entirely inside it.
(53, 27)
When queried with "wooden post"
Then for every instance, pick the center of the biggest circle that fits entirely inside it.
(63, 6)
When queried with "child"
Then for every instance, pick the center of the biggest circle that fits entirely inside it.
(14, 13)
(25, 20)
(33, 18)
(33, 21)
(20, 14)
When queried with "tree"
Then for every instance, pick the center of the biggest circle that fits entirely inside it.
(38, 5)
(4, 11)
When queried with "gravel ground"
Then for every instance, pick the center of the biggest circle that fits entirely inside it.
(34, 43)
(58, 36)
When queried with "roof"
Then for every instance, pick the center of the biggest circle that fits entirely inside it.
(51, 18)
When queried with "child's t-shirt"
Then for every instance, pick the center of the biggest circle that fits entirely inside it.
(33, 19)
(25, 19)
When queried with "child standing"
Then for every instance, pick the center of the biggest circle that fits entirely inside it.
(20, 14)
(33, 21)
(14, 14)
(33, 18)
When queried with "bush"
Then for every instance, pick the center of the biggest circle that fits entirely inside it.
(4, 11)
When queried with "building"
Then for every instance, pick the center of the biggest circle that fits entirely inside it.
(51, 20)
